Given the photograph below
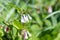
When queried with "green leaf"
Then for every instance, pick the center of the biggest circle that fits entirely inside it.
(48, 23)
(34, 38)
(56, 12)
(9, 14)
(58, 37)
(14, 30)
(1, 33)
(37, 18)
(17, 24)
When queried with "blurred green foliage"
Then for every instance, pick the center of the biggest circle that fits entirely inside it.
(43, 26)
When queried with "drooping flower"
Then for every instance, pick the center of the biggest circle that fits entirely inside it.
(25, 34)
(49, 9)
(25, 18)
(6, 29)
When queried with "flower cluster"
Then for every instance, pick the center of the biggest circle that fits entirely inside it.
(25, 18)
(25, 34)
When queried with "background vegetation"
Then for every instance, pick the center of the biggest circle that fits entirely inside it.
(29, 19)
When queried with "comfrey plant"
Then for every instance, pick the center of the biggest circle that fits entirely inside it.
(6, 29)
(49, 9)
(25, 34)
(25, 18)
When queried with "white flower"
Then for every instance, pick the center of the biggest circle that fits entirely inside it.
(25, 18)
(25, 35)
(49, 9)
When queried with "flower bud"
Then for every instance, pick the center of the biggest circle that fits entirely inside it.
(49, 9)
(6, 29)
(24, 34)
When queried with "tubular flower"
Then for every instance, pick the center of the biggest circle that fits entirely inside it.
(25, 34)
(6, 29)
(49, 9)
(25, 18)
